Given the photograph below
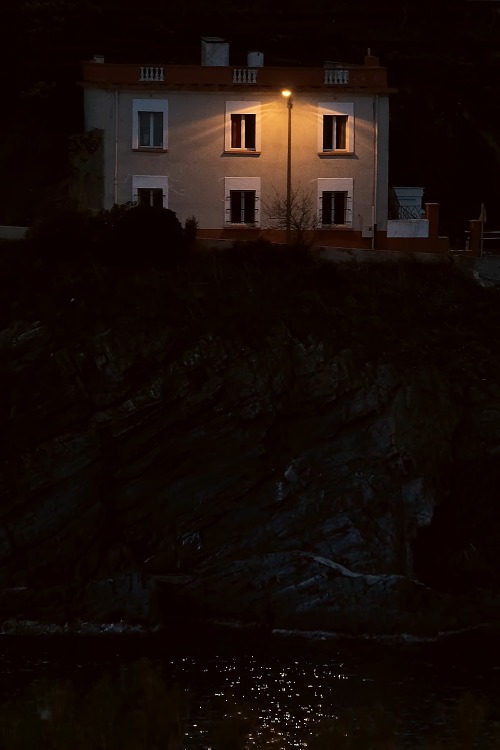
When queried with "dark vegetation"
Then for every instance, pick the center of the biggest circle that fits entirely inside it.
(124, 236)
(140, 262)
(90, 273)
(443, 58)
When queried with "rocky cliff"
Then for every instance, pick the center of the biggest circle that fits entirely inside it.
(307, 448)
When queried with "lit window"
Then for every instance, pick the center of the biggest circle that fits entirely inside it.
(242, 198)
(242, 129)
(334, 132)
(335, 201)
(149, 124)
(150, 190)
(336, 127)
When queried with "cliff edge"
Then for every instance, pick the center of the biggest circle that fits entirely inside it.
(255, 438)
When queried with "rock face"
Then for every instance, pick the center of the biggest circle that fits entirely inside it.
(278, 482)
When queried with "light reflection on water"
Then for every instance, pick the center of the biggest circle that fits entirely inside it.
(287, 685)
(290, 697)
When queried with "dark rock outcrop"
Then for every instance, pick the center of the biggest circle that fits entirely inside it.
(149, 475)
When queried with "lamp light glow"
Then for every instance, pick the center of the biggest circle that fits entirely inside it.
(286, 93)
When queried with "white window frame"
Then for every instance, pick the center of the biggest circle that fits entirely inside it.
(336, 184)
(242, 108)
(149, 105)
(337, 108)
(241, 183)
(149, 182)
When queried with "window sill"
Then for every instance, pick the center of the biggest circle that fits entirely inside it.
(152, 150)
(241, 152)
(335, 154)
(229, 225)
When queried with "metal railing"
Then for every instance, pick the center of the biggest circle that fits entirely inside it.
(409, 212)
(490, 241)
(151, 73)
(401, 212)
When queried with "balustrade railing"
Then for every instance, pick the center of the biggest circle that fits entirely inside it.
(244, 75)
(151, 73)
(336, 77)
(188, 77)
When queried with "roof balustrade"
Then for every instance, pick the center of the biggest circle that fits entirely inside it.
(336, 77)
(244, 75)
(151, 73)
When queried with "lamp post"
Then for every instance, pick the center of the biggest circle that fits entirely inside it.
(289, 101)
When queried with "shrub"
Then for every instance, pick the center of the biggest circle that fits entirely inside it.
(190, 230)
(302, 216)
(125, 235)
(147, 235)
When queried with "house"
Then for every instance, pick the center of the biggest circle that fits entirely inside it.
(220, 142)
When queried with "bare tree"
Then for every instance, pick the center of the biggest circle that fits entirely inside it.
(303, 216)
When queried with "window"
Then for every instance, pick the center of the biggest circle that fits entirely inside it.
(150, 197)
(242, 206)
(336, 127)
(150, 129)
(334, 207)
(242, 198)
(149, 124)
(335, 201)
(150, 190)
(334, 132)
(242, 130)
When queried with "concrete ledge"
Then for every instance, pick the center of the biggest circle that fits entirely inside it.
(12, 233)
(346, 254)
(408, 228)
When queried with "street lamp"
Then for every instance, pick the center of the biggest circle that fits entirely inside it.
(289, 101)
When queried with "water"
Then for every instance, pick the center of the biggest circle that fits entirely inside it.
(290, 683)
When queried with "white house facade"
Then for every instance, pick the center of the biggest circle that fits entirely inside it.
(220, 142)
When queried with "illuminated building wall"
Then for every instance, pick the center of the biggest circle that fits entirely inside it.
(198, 141)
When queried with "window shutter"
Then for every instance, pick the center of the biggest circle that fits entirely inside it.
(250, 131)
(326, 208)
(327, 132)
(249, 206)
(236, 131)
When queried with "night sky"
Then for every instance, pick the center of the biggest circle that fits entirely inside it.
(444, 59)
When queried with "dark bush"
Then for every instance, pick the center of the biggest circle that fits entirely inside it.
(190, 230)
(148, 236)
(136, 236)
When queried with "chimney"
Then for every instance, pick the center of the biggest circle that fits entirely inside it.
(214, 51)
(255, 59)
(371, 61)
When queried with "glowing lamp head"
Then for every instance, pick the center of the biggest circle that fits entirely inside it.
(286, 93)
